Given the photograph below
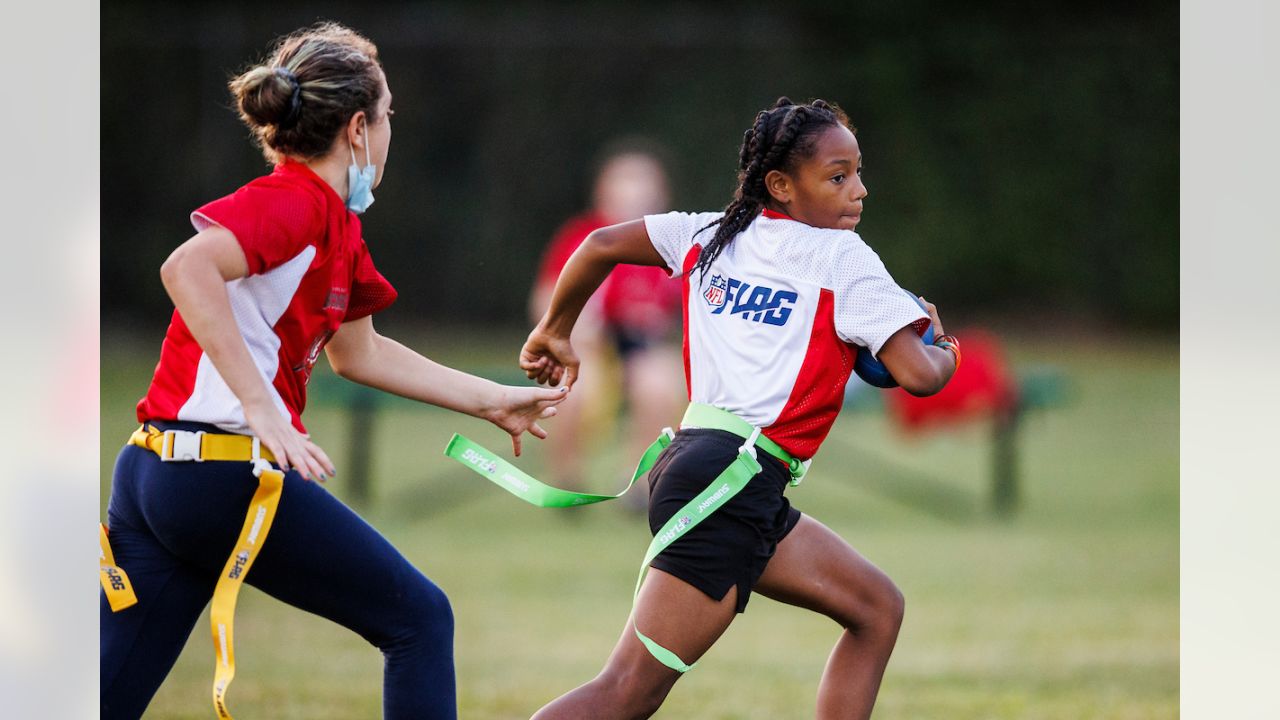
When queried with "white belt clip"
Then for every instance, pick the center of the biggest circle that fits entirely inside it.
(671, 434)
(749, 446)
(181, 446)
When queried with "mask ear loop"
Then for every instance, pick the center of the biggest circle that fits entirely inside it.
(367, 160)
(352, 148)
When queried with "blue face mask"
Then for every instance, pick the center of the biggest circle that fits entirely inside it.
(360, 181)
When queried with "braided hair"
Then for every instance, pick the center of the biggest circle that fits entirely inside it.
(777, 140)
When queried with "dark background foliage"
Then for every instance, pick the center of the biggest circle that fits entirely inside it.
(1022, 158)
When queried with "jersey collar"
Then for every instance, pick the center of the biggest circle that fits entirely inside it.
(775, 215)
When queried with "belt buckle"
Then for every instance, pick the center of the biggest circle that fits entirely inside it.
(181, 446)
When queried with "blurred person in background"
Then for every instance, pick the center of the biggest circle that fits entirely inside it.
(635, 315)
(277, 272)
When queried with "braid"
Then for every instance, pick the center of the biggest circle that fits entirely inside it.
(769, 144)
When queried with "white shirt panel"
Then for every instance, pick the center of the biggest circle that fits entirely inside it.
(738, 360)
(751, 317)
(870, 306)
(257, 302)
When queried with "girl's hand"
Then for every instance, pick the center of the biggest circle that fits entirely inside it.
(292, 449)
(548, 357)
(933, 316)
(519, 409)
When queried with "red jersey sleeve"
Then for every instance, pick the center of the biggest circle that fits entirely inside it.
(272, 223)
(370, 291)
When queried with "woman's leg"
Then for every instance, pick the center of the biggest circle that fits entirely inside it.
(814, 568)
(318, 556)
(139, 644)
(633, 684)
(323, 558)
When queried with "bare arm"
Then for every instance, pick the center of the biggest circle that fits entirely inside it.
(920, 369)
(195, 276)
(359, 354)
(547, 355)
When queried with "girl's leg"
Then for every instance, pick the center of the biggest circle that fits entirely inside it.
(815, 569)
(633, 684)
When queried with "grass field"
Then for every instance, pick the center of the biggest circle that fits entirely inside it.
(1068, 610)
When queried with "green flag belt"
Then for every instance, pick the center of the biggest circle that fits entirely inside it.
(722, 489)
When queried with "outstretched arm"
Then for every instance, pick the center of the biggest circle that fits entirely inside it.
(359, 354)
(547, 355)
(920, 369)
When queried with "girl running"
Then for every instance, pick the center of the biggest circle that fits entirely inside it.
(277, 272)
(779, 296)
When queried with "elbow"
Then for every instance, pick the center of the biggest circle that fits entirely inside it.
(171, 268)
(605, 244)
(337, 365)
(924, 384)
(598, 241)
(352, 357)
(343, 365)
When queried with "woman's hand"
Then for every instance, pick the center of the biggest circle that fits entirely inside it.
(519, 409)
(548, 357)
(292, 449)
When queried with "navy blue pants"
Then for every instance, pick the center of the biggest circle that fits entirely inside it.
(172, 526)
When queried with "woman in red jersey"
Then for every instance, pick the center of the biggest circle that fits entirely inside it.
(277, 272)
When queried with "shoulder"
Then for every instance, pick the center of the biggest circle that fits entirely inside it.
(852, 259)
(680, 223)
(847, 245)
(270, 200)
(287, 199)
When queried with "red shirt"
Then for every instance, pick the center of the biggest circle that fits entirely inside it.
(637, 298)
(309, 272)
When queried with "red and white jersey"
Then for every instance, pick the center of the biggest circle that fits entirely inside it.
(770, 331)
(309, 272)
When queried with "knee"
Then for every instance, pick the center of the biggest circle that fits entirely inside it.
(894, 608)
(435, 610)
(877, 610)
(426, 615)
(638, 696)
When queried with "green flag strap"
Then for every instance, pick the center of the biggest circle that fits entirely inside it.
(524, 486)
(708, 416)
(721, 490)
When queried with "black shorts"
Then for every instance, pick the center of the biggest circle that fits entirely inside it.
(732, 546)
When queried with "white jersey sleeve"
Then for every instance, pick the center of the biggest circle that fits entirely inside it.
(672, 235)
(869, 306)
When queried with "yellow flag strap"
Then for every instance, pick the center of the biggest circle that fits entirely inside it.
(115, 583)
(199, 446)
(262, 510)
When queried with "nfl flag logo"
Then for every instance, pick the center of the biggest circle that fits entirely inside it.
(714, 295)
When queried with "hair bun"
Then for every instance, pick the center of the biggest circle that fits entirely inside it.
(782, 102)
(269, 96)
